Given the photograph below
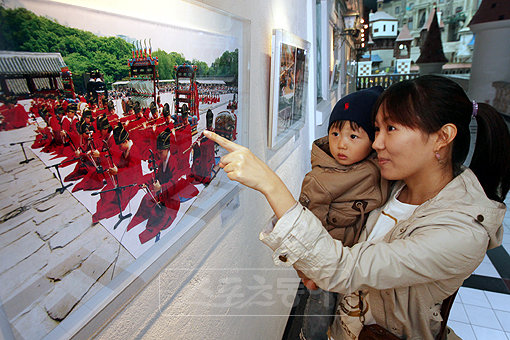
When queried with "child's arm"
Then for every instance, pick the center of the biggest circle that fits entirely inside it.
(315, 197)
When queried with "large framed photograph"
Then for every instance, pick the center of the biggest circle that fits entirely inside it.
(289, 83)
(105, 169)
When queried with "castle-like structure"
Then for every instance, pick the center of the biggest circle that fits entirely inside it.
(399, 27)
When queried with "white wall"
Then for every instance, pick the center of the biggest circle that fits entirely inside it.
(384, 29)
(491, 59)
(198, 278)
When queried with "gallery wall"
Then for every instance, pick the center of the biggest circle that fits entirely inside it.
(224, 284)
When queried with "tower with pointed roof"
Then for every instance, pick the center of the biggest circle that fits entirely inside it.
(453, 16)
(402, 51)
(427, 25)
(403, 42)
(432, 57)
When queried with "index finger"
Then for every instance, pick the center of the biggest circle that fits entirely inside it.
(223, 142)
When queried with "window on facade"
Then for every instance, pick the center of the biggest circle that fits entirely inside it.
(422, 16)
(384, 28)
(393, 28)
(397, 9)
(453, 32)
(376, 30)
(410, 23)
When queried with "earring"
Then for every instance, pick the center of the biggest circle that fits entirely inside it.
(438, 156)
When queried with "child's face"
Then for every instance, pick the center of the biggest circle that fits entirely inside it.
(347, 145)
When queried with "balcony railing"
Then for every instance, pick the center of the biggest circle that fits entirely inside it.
(386, 80)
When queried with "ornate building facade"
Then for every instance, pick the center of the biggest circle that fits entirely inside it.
(453, 16)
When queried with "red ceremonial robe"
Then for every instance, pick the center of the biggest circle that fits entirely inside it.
(203, 161)
(183, 141)
(129, 172)
(159, 217)
(15, 117)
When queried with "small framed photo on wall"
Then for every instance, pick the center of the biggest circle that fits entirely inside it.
(289, 84)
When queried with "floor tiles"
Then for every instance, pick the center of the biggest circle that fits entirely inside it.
(499, 301)
(482, 333)
(504, 319)
(458, 313)
(463, 330)
(484, 317)
(474, 297)
(486, 269)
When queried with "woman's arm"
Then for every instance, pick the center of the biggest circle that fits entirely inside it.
(450, 247)
(243, 166)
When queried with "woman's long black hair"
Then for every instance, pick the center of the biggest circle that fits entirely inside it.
(429, 102)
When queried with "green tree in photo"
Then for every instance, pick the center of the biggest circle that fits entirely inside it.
(226, 65)
(82, 51)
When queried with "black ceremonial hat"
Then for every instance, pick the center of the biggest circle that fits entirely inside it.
(163, 140)
(209, 117)
(43, 111)
(120, 134)
(72, 107)
(88, 113)
(166, 110)
(59, 110)
(137, 108)
(83, 127)
(102, 122)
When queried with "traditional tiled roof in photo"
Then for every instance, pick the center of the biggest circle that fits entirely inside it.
(404, 34)
(381, 15)
(14, 63)
(491, 10)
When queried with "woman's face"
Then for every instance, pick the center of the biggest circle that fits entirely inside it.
(403, 153)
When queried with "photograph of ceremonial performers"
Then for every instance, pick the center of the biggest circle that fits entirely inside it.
(103, 152)
(287, 86)
(299, 101)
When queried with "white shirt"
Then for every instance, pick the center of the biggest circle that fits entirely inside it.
(348, 307)
(393, 211)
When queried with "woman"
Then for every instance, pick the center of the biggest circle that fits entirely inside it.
(446, 215)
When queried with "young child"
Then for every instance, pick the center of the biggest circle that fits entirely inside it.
(343, 186)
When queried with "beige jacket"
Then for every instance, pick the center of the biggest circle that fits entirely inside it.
(341, 196)
(420, 262)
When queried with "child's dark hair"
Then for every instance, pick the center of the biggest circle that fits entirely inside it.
(429, 102)
(339, 124)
